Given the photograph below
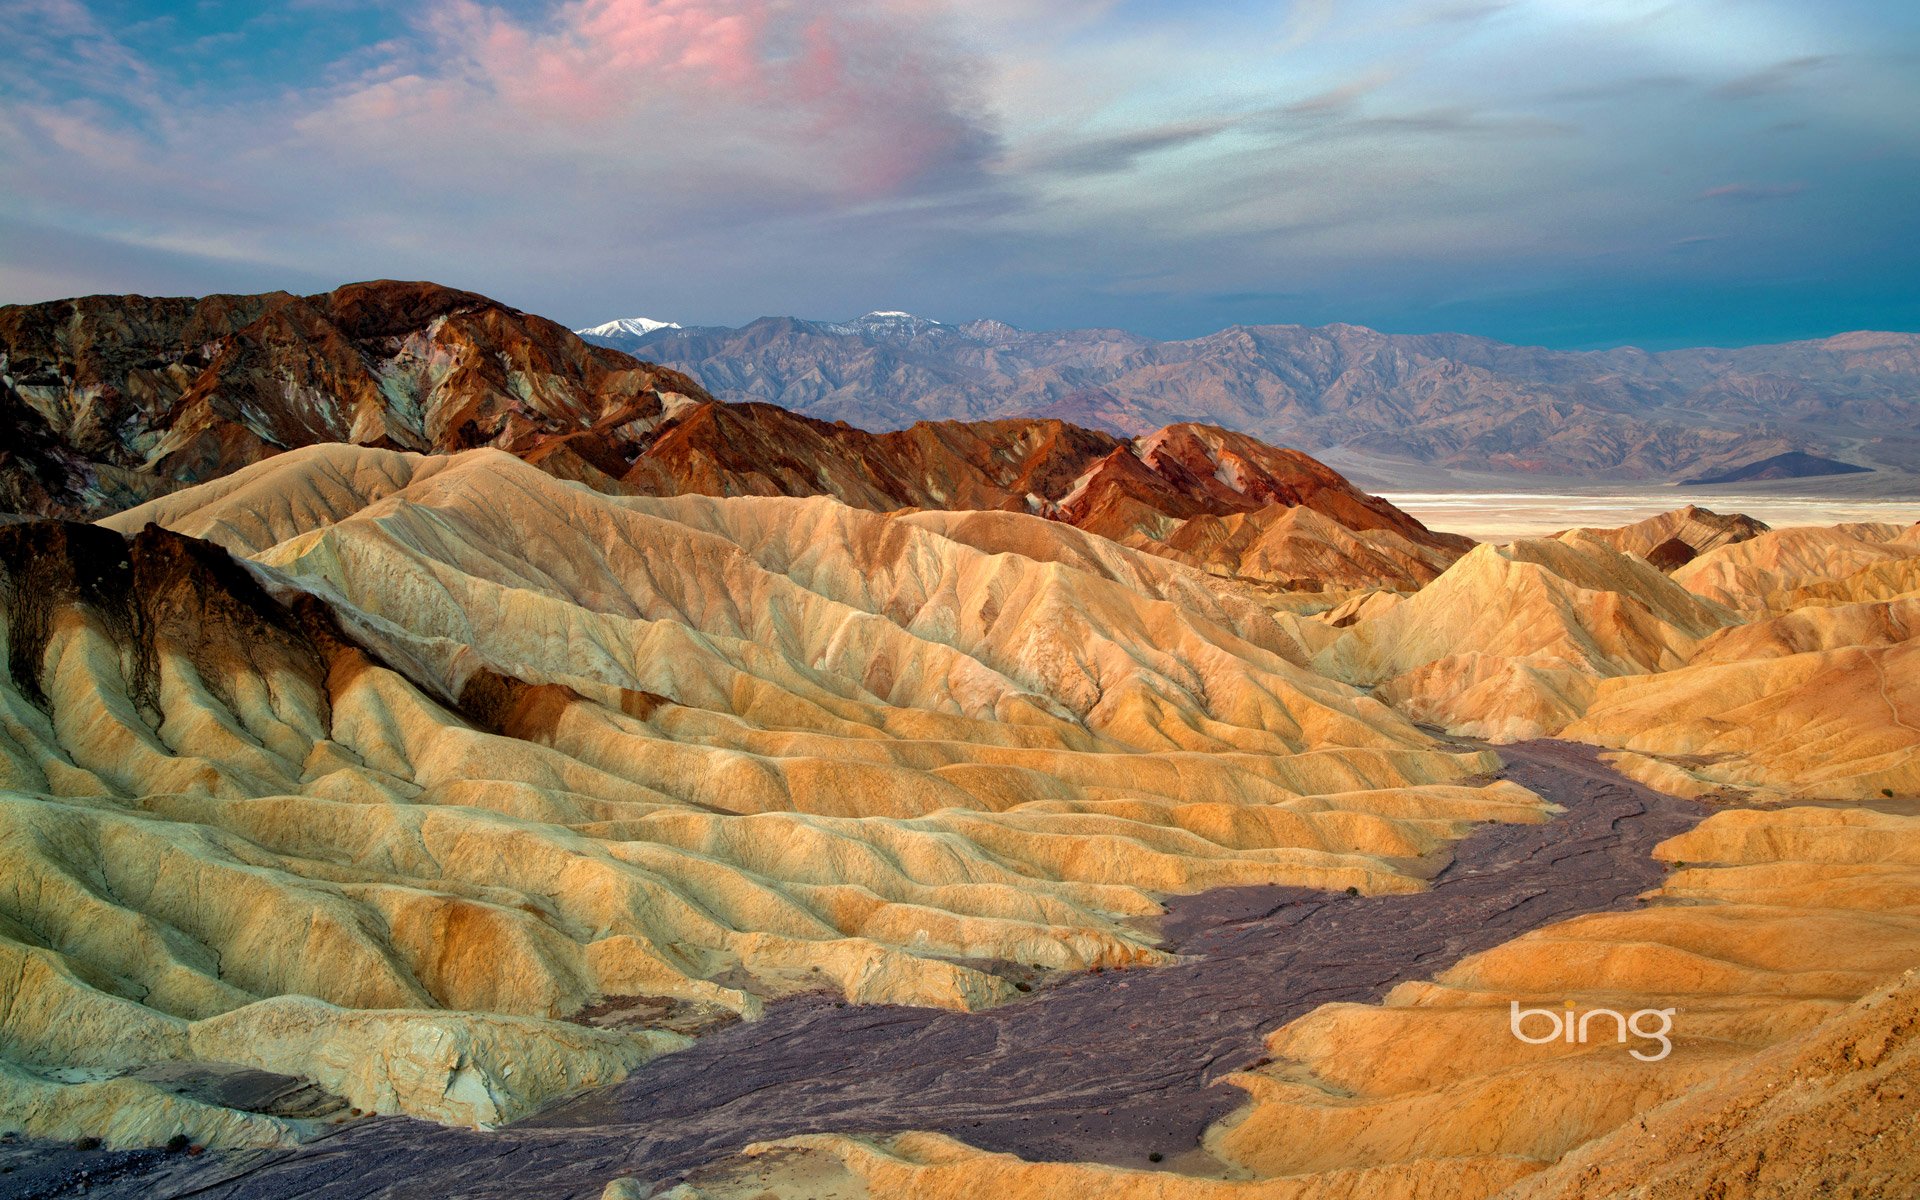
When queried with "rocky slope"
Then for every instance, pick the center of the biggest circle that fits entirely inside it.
(1439, 399)
(113, 400)
(545, 776)
(1511, 641)
(1676, 538)
(505, 750)
(1780, 664)
(148, 394)
(1779, 950)
(1200, 494)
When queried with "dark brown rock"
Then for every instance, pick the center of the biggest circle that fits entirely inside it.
(1672, 553)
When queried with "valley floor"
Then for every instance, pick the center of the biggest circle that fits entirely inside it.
(1499, 516)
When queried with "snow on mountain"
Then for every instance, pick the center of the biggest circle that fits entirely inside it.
(637, 326)
(626, 332)
(887, 323)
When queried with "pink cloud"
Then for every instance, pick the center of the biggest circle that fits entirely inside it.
(597, 58)
(850, 100)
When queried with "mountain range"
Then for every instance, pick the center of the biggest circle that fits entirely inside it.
(1446, 401)
(111, 401)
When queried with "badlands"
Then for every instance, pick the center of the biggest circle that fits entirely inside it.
(523, 775)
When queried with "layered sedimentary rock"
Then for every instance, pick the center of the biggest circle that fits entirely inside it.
(1842, 723)
(1218, 500)
(455, 752)
(1829, 1113)
(1793, 568)
(1819, 701)
(1684, 533)
(1766, 1017)
(451, 782)
(1778, 661)
(1509, 642)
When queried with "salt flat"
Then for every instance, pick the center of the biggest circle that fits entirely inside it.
(1502, 516)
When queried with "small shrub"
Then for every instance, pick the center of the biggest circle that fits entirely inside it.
(87, 1143)
(177, 1143)
(1353, 891)
(1156, 1156)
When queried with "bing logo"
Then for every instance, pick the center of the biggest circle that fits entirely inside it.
(1577, 1027)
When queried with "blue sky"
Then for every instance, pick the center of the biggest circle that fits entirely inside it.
(1568, 172)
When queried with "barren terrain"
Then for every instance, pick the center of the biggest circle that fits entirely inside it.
(458, 761)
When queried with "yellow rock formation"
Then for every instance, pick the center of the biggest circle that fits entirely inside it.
(1699, 529)
(1780, 664)
(1842, 723)
(451, 753)
(1868, 561)
(1303, 548)
(1778, 951)
(1506, 644)
(591, 748)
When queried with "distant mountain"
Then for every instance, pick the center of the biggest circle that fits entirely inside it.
(106, 401)
(1445, 400)
(1792, 465)
(625, 332)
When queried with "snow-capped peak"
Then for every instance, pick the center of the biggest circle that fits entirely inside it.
(888, 324)
(631, 326)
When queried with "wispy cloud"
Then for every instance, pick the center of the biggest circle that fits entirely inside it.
(1345, 97)
(1106, 155)
(1740, 192)
(1773, 78)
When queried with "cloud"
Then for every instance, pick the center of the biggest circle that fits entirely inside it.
(1119, 152)
(851, 101)
(58, 47)
(1739, 192)
(1777, 77)
(1459, 12)
(1049, 161)
(1460, 120)
(1337, 101)
(1615, 90)
(737, 148)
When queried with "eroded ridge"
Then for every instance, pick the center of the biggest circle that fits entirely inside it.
(345, 793)
(1113, 1067)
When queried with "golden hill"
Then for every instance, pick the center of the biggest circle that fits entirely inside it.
(399, 773)
(455, 750)
(1780, 949)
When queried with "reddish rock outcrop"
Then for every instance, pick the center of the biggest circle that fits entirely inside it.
(156, 393)
(114, 400)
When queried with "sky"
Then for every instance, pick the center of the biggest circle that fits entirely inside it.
(1570, 173)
